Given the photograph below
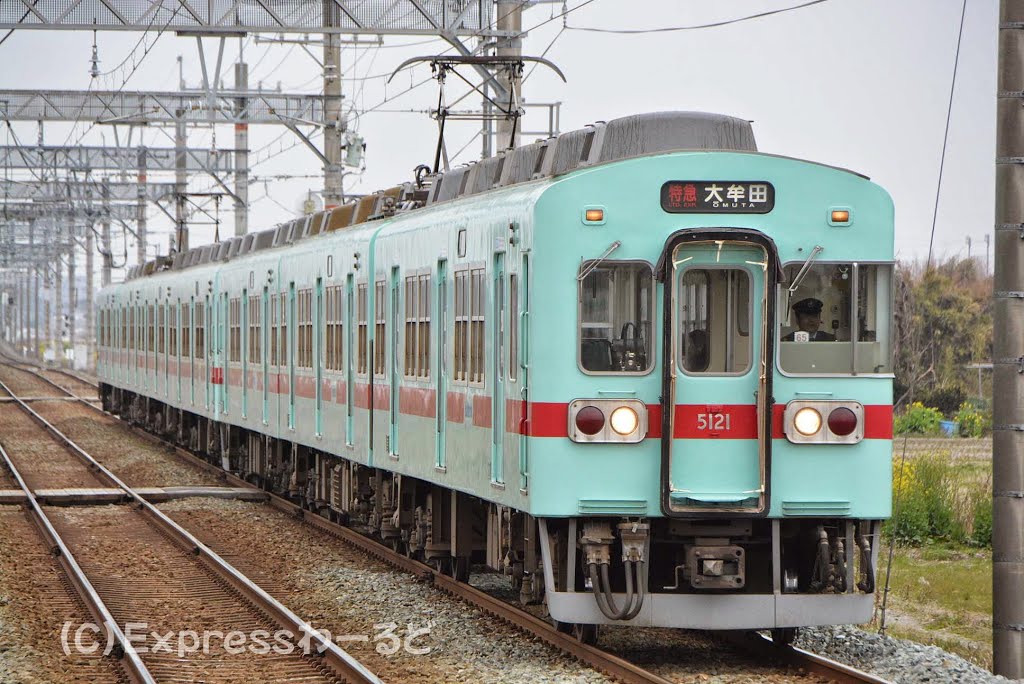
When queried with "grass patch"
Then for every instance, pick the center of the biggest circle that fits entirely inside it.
(941, 584)
(941, 594)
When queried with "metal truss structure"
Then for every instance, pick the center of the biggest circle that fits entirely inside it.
(64, 190)
(122, 107)
(235, 17)
(27, 211)
(126, 159)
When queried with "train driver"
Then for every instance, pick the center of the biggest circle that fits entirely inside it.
(808, 320)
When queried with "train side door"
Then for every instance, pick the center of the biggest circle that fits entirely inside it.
(291, 355)
(264, 333)
(218, 371)
(441, 364)
(717, 456)
(498, 343)
(395, 366)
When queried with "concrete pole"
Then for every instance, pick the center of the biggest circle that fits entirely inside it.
(53, 321)
(334, 192)
(19, 312)
(105, 234)
(90, 298)
(72, 289)
(510, 18)
(34, 313)
(241, 154)
(180, 182)
(140, 209)
(1008, 353)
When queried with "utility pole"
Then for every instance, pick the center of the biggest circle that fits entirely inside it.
(181, 181)
(72, 293)
(35, 295)
(510, 18)
(105, 234)
(90, 287)
(988, 243)
(140, 207)
(241, 152)
(53, 319)
(334, 192)
(1008, 353)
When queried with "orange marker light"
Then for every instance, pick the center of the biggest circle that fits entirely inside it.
(595, 214)
(840, 216)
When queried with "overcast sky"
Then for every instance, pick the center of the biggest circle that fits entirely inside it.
(862, 84)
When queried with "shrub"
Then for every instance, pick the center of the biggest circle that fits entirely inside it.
(982, 533)
(945, 399)
(973, 422)
(918, 419)
(934, 499)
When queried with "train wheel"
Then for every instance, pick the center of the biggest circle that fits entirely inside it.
(784, 636)
(586, 634)
(459, 569)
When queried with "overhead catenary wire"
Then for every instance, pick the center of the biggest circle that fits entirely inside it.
(695, 27)
(945, 135)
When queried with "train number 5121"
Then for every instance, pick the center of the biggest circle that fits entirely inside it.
(714, 422)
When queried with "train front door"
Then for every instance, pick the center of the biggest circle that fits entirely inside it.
(716, 460)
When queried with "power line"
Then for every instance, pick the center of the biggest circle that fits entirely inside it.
(945, 135)
(726, 22)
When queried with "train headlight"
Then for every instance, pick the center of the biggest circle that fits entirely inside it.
(607, 421)
(624, 420)
(807, 421)
(825, 421)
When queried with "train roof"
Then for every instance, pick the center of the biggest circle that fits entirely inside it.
(624, 138)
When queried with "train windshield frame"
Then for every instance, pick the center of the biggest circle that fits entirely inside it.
(615, 322)
(848, 300)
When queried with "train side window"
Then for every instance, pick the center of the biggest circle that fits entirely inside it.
(186, 330)
(284, 330)
(172, 333)
(161, 329)
(837, 321)
(274, 331)
(615, 305)
(461, 324)
(235, 330)
(200, 336)
(714, 309)
(380, 329)
(478, 295)
(417, 326)
(362, 309)
(513, 325)
(255, 326)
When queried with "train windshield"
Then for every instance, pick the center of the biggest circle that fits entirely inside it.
(615, 325)
(837, 321)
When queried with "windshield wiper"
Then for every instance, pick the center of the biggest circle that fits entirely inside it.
(597, 262)
(802, 273)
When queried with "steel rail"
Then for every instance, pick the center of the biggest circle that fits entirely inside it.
(341, 661)
(612, 665)
(126, 654)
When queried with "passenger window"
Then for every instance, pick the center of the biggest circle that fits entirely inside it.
(837, 320)
(615, 322)
(714, 321)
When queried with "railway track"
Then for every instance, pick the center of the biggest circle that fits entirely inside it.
(136, 565)
(817, 668)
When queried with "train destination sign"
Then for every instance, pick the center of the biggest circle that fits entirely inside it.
(717, 197)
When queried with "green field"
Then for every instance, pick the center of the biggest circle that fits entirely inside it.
(940, 589)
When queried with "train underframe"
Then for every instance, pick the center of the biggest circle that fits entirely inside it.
(713, 573)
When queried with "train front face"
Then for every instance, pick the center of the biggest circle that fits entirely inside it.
(711, 391)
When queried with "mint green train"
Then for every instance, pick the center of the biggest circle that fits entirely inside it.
(641, 368)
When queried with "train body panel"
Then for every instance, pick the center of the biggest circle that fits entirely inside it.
(614, 361)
